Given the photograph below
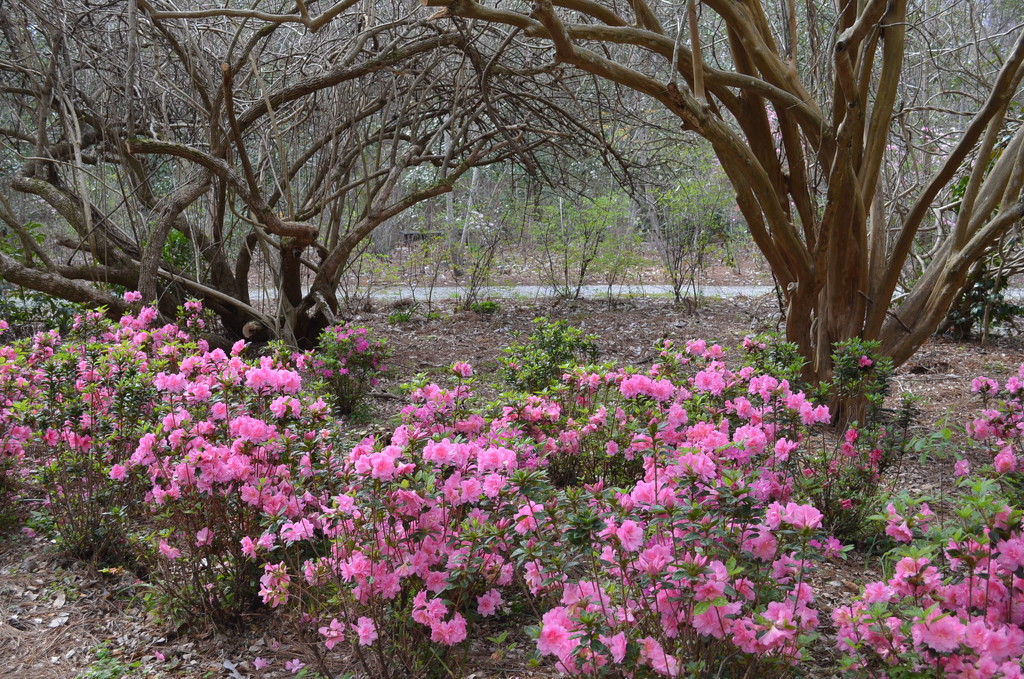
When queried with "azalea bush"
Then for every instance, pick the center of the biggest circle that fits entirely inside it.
(231, 440)
(94, 397)
(953, 604)
(664, 520)
(770, 354)
(538, 363)
(687, 574)
(861, 377)
(603, 424)
(1000, 427)
(696, 558)
(350, 361)
(850, 473)
(846, 470)
(697, 565)
(411, 551)
(15, 390)
(156, 451)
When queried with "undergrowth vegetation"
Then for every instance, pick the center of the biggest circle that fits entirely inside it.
(663, 521)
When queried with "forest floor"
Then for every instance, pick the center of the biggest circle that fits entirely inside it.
(66, 619)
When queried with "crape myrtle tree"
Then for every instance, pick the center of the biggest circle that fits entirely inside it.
(806, 105)
(184, 148)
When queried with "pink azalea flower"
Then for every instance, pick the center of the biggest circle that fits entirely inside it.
(941, 632)
(1005, 462)
(802, 516)
(367, 631)
(487, 604)
(1011, 553)
(554, 639)
(900, 532)
(616, 644)
(876, 591)
(169, 552)
(783, 447)
(984, 385)
(204, 537)
(630, 535)
(333, 633)
(450, 632)
(299, 530)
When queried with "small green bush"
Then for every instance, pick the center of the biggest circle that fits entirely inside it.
(487, 308)
(399, 317)
(769, 354)
(540, 362)
(27, 311)
(107, 666)
(860, 376)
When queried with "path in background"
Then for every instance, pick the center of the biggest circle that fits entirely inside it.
(587, 291)
(422, 293)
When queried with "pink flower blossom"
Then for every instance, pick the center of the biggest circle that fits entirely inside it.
(1005, 462)
(298, 530)
(333, 633)
(367, 631)
(204, 537)
(169, 552)
(783, 448)
(488, 604)
(984, 385)
(450, 632)
(631, 535)
(900, 532)
(802, 516)
(940, 631)
(555, 640)
(616, 645)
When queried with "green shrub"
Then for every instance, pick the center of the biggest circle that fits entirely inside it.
(539, 362)
(487, 308)
(860, 378)
(399, 317)
(982, 303)
(769, 354)
(27, 311)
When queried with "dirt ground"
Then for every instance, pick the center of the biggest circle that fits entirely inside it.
(60, 618)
